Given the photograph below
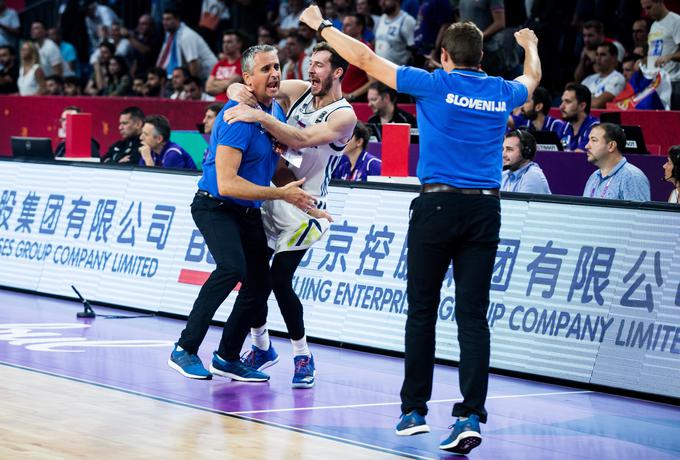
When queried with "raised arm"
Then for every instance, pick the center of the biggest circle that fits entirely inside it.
(353, 51)
(526, 38)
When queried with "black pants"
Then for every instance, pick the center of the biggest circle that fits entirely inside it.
(447, 227)
(282, 271)
(236, 239)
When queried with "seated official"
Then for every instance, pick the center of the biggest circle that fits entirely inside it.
(356, 163)
(126, 151)
(60, 150)
(534, 115)
(615, 178)
(520, 173)
(157, 150)
(383, 101)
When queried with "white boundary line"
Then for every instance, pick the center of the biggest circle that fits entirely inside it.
(353, 406)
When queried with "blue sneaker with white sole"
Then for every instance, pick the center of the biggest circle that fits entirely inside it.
(304, 371)
(411, 423)
(187, 364)
(259, 359)
(465, 436)
(236, 370)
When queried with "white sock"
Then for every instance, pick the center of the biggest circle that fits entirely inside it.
(300, 347)
(260, 337)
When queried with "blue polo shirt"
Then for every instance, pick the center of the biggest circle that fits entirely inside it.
(549, 124)
(624, 182)
(578, 141)
(258, 161)
(171, 156)
(462, 116)
(366, 165)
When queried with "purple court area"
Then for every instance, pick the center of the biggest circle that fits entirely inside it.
(356, 399)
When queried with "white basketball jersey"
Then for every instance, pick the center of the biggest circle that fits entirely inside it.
(318, 162)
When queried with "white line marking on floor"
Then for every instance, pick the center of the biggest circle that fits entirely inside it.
(353, 406)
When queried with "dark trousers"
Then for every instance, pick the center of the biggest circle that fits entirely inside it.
(282, 271)
(447, 227)
(236, 239)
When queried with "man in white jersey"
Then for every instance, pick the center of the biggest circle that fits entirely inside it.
(320, 123)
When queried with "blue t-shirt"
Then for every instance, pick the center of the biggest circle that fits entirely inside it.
(578, 141)
(258, 161)
(171, 156)
(462, 116)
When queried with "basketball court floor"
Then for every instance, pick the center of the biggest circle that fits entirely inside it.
(101, 388)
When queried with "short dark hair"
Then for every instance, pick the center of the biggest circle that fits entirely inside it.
(613, 133)
(174, 11)
(75, 108)
(527, 142)
(632, 57)
(72, 80)
(674, 155)
(233, 32)
(109, 46)
(463, 42)
(542, 96)
(184, 70)
(611, 48)
(39, 21)
(56, 78)
(361, 132)
(337, 62)
(160, 124)
(361, 20)
(192, 79)
(157, 71)
(594, 24)
(134, 112)
(216, 107)
(383, 89)
(582, 93)
(10, 49)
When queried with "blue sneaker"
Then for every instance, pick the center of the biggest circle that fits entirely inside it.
(259, 360)
(464, 437)
(412, 423)
(188, 365)
(304, 371)
(236, 370)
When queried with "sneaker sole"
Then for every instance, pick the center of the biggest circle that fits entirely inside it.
(303, 385)
(268, 364)
(176, 367)
(413, 430)
(229, 375)
(463, 444)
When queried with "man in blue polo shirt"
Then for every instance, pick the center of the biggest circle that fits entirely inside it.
(356, 163)
(226, 209)
(157, 150)
(462, 115)
(520, 173)
(615, 178)
(575, 108)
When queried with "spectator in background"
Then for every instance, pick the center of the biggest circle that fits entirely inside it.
(72, 86)
(118, 82)
(155, 85)
(122, 44)
(394, 33)
(50, 56)
(179, 74)
(356, 163)
(310, 37)
(297, 66)
(138, 85)
(629, 67)
(205, 127)
(193, 90)
(9, 25)
(575, 109)
(534, 115)
(664, 44)
(520, 173)
(671, 173)
(67, 50)
(146, 43)
(432, 16)
(640, 32)
(355, 82)
(60, 150)
(615, 178)
(9, 70)
(363, 8)
(289, 24)
(97, 16)
(266, 35)
(54, 86)
(99, 78)
(126, 150)
(383, 101)
(184, 47)
(31, 77)
(593, 36)
(607, 82)
(228, 70)
(157, 150)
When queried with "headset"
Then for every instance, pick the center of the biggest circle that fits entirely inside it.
(526, 142)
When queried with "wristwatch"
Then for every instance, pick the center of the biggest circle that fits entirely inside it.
(325, 23)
